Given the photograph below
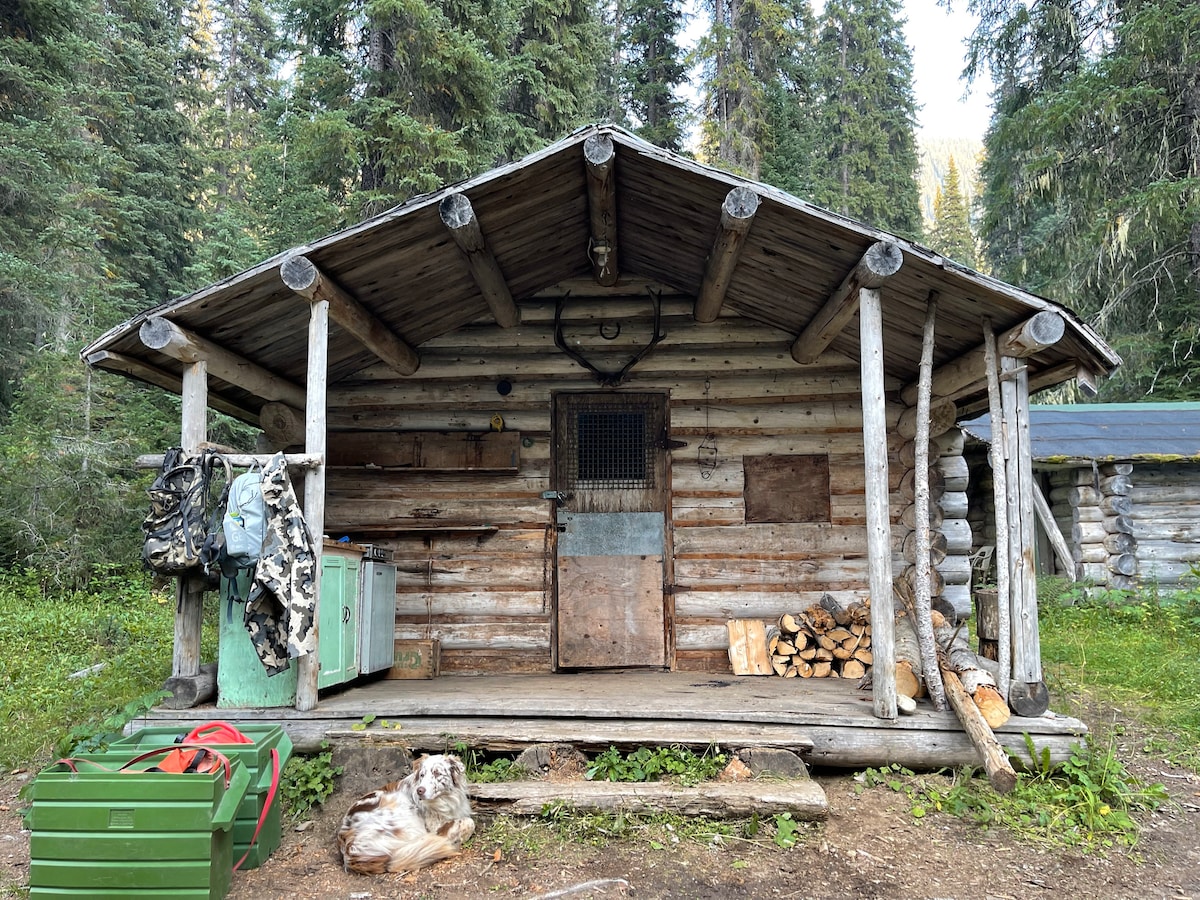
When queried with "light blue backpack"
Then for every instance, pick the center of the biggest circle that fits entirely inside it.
(245, 522)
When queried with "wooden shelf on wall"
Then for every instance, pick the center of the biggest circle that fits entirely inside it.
(425, 527)
(426, 451)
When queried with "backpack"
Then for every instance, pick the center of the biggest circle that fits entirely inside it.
(245, 523)
(178, 523)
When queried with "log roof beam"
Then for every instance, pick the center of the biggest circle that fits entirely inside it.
(963, 375)
(161, 334)
(136, 368)
(737, 215)
(459, 218)
(601, 163)
(303, 277)
(881, 261)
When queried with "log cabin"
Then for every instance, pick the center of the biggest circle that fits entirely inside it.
(591, 408)
(1119, 485)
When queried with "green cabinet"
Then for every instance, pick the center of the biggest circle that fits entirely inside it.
(241, 680)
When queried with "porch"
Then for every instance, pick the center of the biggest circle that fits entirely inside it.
(828, 722)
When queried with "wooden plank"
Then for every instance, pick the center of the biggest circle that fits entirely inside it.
(786, 488)
(748, 647)
(610, 611)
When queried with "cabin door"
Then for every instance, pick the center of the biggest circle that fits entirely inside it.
(610, 472)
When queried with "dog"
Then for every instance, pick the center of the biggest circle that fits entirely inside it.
(409, 824)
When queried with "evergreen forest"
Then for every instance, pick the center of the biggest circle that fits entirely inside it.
(150, 147)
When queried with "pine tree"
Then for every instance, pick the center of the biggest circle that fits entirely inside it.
(1092, 195)
(557, 53)
(747, 55)
(951, 234)
(865, 116)
(652, 69)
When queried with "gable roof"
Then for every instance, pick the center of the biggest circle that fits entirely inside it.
(1107, 432)
(405, 269)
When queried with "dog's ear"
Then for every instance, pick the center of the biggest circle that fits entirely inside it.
(419, 761)
(458, 771)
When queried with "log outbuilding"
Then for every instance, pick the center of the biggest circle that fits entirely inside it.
(594, 405)
(1120, 491)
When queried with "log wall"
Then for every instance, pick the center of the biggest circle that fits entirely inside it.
(488, 593)
(1128, 524)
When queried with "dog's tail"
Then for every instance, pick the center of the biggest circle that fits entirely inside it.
(422, 851)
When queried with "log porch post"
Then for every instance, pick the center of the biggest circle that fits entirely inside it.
(1027, 693)
(314, 483)
(189, 589)
(879, 531)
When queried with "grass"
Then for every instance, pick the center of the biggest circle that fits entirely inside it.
(79, 664)
(1137, 653)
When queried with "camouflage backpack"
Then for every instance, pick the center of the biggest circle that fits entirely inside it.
(179, 521)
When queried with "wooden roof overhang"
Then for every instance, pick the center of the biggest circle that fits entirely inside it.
(599, 204)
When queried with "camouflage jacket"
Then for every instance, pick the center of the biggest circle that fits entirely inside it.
(282, 601)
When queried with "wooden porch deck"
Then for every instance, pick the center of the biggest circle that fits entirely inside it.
(829, 722)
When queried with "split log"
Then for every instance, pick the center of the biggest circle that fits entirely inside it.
(908, 659)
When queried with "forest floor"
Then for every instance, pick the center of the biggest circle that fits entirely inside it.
(871, 846)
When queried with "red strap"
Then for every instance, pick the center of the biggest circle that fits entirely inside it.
(266, 806)
(217, 733)
(222, 759)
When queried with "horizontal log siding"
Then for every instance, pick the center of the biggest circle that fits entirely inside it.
(1164, 518)
(488, 597)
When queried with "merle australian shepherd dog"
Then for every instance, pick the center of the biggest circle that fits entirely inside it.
(409, 823)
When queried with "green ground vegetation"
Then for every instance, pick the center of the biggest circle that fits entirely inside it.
(75, 666)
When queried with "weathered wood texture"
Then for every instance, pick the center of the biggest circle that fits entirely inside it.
(474, 550)
(829, 722)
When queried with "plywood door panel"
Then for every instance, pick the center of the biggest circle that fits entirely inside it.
(610, 611)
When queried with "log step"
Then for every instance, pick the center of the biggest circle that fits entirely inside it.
(804, 799)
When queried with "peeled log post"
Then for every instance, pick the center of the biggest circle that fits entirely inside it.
(881, 261)
(459, 218)
(601, 159)
(878, 516)
(999, 500)
(737, 215)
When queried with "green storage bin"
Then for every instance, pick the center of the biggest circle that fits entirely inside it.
(105, 835)
(257, 758)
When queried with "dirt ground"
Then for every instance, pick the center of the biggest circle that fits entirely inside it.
(870, 847)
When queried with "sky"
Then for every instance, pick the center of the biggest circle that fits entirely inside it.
(936, 37)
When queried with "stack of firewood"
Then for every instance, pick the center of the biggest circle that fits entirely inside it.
(826, 640)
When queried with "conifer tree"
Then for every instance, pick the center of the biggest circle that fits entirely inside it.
(652, 69)
(747, 55)
(951, 233)
(866, 111)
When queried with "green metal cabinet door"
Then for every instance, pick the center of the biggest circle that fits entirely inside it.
(338, 620)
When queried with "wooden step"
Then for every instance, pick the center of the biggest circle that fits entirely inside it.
(804, 799)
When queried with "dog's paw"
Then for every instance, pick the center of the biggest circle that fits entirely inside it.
(460, 830)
